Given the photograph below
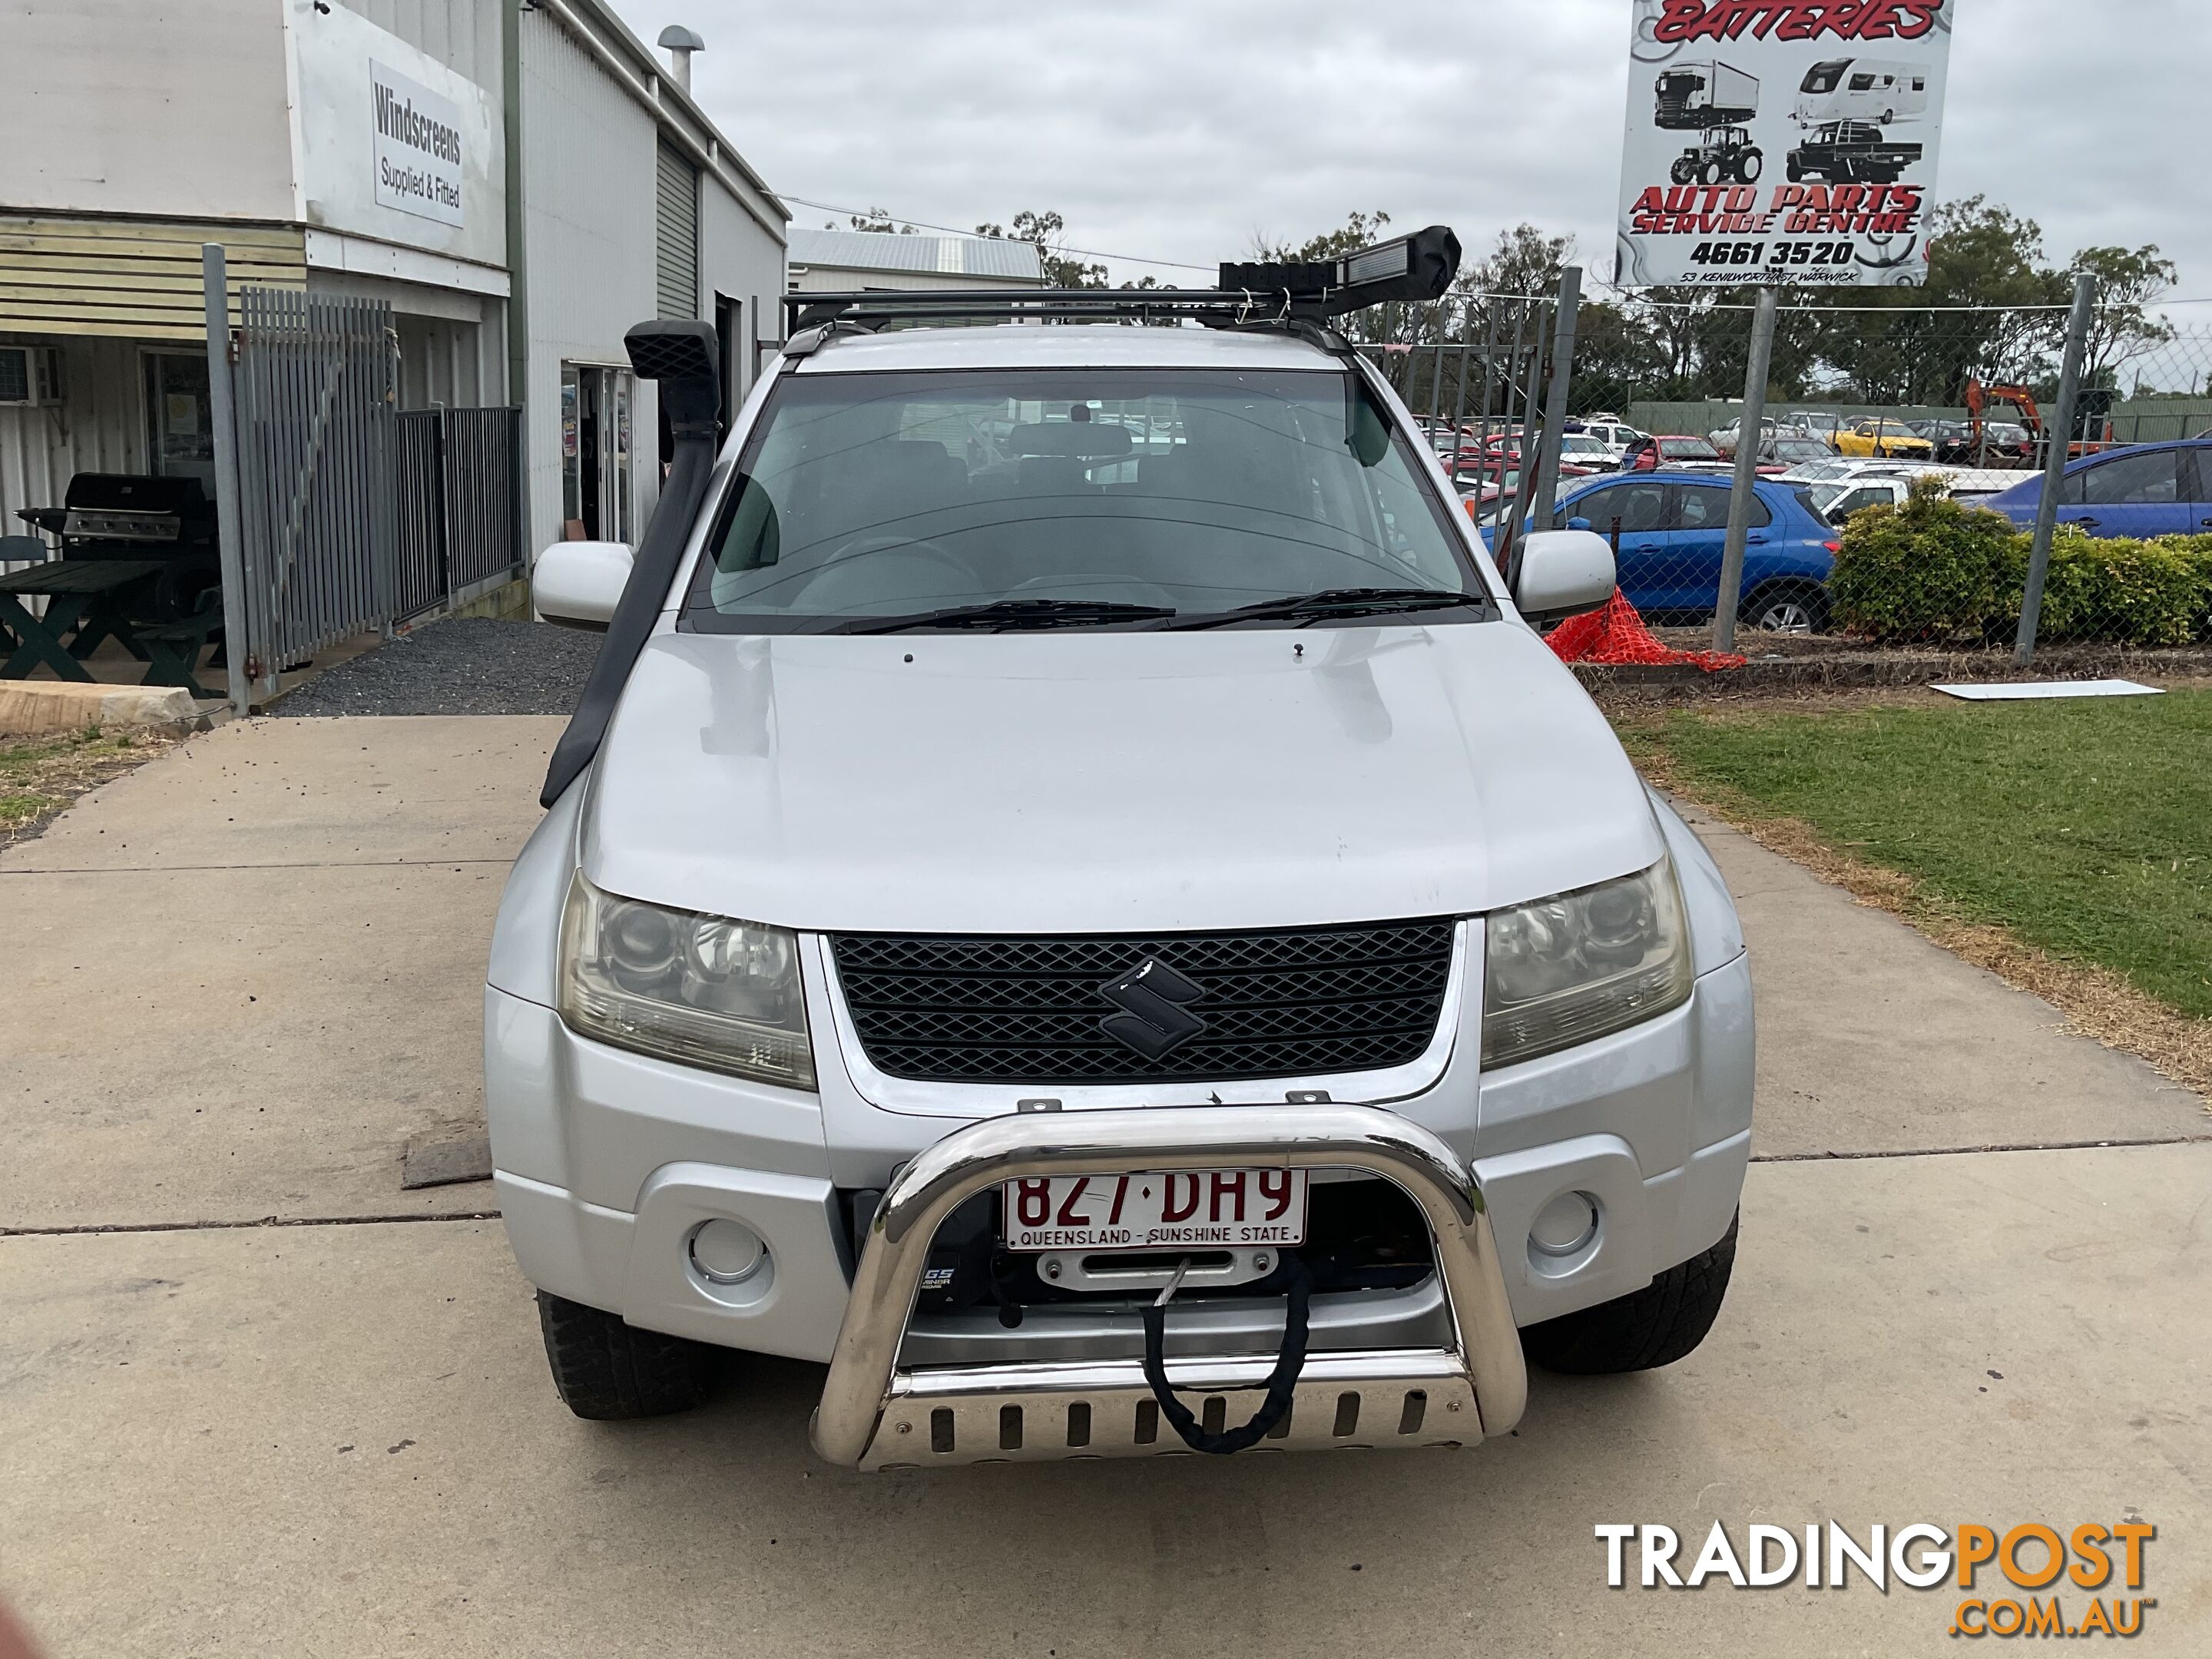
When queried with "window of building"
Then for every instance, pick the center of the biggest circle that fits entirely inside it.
(179, 428)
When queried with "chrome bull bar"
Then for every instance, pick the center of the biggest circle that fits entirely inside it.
(874, 1414)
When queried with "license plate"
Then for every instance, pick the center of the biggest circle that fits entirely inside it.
(1204, 1209)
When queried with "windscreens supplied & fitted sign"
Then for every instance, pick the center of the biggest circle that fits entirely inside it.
(418, 152)
(1790, 141)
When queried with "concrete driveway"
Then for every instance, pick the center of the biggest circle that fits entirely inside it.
(256, 1398)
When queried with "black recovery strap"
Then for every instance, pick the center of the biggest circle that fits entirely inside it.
(680, 356)
(1282, 1382)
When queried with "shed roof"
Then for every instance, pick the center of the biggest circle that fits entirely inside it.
(1003, 259)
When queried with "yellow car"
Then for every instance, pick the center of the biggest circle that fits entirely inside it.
(1883, 439)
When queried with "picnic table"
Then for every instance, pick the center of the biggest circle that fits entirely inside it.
(87, 601)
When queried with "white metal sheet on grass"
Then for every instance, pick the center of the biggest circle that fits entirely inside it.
(2027, 690)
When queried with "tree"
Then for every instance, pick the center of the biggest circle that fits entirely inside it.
(1984, 313)
(1396, 323)
(2120, 328)
(1041, 231)
(875, 219)
(1522, 261)
(1617, 355)
(1359, 230)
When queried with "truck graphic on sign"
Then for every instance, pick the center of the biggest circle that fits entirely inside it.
(1693, 97)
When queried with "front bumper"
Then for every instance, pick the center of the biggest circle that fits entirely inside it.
(879, 1412)
(607, 1160)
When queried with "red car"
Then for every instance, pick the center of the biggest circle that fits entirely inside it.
(1669, 449)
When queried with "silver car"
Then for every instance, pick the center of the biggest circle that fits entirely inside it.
(1070, 942)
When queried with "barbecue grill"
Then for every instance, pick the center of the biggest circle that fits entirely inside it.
(120, 515)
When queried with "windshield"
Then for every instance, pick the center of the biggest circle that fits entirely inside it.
(1054, 494)
(1823, 77)
(1688, 449)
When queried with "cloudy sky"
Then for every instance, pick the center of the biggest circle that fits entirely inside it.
(1178, 129)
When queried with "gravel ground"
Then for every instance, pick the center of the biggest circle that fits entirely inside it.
(464, 665)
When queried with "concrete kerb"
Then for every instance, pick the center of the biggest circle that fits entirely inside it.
(35, 709)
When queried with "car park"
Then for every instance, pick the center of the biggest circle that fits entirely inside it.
(1670, 528)
(1586, 450)
(1816, 423)
(1725, 438)
(1047, 973)
(1674, 449)
(1997, 443)
(1615, 434)
(2144, 490)
(1786, 450)
(1835, 501)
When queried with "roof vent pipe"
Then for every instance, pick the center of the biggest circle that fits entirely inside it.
(681, 43)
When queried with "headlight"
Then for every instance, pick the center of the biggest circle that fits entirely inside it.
(700, 990)
(1566, 970)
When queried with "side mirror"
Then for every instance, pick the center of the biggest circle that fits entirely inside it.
(577, 584)
(1562, 572)
(1577, 524)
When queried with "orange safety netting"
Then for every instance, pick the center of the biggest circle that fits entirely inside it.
(1616, 634)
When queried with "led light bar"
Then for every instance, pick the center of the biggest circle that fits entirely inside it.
(1416, 267)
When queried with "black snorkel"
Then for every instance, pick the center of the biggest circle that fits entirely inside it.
(680, 356)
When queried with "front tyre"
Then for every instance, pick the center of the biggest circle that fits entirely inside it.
(1752, 164)
(608, 1371)
(1641, 1331)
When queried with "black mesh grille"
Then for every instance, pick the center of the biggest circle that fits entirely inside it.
(1014, 1010)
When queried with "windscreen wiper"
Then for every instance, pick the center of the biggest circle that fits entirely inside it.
(1339, 602)
(1003, 616)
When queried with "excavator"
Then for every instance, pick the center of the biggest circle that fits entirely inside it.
(1978, 398)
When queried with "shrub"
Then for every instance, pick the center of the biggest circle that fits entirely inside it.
(1925, 571)
(2125, 593)
(1934, 570)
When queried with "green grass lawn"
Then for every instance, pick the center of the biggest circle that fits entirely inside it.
(39, 776)
(2085, 827)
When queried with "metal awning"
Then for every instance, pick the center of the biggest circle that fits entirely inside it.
(137, 278)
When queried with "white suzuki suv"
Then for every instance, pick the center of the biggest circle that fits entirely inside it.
(1077, 896)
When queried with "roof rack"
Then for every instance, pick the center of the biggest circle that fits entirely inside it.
(1299, 298)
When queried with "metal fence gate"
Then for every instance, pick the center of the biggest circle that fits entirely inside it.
(346, 514)
(314, 387)
(459, 479)
(1475, 370)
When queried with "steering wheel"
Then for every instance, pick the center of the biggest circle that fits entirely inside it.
(867, 544)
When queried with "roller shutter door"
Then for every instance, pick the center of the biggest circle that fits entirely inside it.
(677, 271)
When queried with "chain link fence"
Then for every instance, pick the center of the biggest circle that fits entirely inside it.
(1901, 458)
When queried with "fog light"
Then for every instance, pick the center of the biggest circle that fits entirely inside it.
(727, 1252)
(1565, 1224)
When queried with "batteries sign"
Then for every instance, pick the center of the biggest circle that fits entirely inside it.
(1781, 141)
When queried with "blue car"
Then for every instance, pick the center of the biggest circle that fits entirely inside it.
(2144, 490)
(1672, 528)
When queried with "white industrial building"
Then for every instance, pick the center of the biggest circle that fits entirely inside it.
(855, 261)
(521, 180)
